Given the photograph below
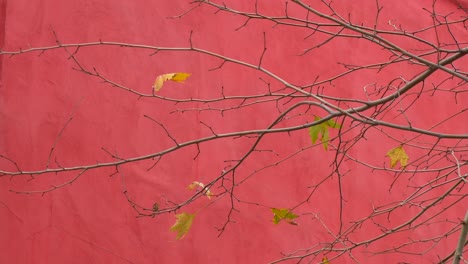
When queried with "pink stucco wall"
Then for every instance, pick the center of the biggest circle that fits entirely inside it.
(91, 221)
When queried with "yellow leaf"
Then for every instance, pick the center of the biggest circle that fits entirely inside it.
(197, 185)
(176, 77)
(182, 224)
(160, 81)
(398, 154)
(180, 77)
(325, 260)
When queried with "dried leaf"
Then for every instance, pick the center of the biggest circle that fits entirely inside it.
(398, 154)
(155, 207)
(198, 186)
(182, 224)
(283, 214)
(176, 77)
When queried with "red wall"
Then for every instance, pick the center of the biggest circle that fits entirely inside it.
(91, 221)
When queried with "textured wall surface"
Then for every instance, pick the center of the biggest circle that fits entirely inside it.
(46, 101)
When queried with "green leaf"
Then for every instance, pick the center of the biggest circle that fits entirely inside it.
(182, 224)
(323, 130)
(314, 132)
(331, 123)
(325, 138)
(283, 214)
